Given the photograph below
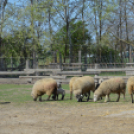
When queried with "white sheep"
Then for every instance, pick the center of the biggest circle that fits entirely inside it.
(113, 85)
(44, 86)
(130, 87)
(96, 87)
(70, 86)
(82, 86)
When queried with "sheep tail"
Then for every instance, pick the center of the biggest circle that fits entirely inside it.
(71, 95)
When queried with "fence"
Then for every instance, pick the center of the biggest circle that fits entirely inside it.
(57, 61)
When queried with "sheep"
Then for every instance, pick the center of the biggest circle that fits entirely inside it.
(82, 86)
(60, 91)
(96, 87)
(130, 87)
(44, 86)
(71, 84)
(98, 84)
(58, 85)
(113, 85)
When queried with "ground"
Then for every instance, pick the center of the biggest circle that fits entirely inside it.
(19, 114)
(54, 118)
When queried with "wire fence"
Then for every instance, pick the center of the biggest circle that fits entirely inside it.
(19, 63)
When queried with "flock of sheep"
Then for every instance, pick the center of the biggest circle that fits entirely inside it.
(81, 86)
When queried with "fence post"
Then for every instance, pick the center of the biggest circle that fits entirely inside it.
(11, 63)
(27, 63)
(37, 67)
(79, 56)
(55, 57)
(60, 58)
(34, 60)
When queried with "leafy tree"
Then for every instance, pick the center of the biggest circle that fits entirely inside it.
(78, 42)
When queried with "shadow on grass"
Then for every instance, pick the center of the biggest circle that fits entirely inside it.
(5, 102)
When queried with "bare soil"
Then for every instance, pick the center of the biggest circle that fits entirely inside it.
(59, 118)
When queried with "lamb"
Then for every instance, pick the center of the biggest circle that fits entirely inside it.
(60, 91)
(130, 87)
(113, 85)
(58, 85)
(82, 86)
(98, 84)
(46, 86)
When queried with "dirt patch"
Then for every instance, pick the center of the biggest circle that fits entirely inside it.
(52, 118)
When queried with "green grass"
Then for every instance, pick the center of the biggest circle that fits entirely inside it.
(15, 93)
(22, 94)
(112, 74)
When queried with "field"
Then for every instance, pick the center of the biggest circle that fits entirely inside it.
(19, 114)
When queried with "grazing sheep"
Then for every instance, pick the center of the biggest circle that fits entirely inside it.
(130, 87)
(60, 91)
(82, 86)
(113, 85)
(98, 84)
(71, 84)
(44, 86)
(96, 87)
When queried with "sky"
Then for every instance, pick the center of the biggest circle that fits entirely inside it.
(15, 1)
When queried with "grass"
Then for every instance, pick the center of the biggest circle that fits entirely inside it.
(21, 94)
(112, 74)
(15, 93)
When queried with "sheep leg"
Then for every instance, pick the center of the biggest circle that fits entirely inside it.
(62, 97)
(40, 98)
(105, 99)
(57, 96)
(88, 96)
(71, 95)
(132, 98)
(35, 99)
(124, 96)
(48, 97)
(108, 98)
(79, 100)
(118, 97)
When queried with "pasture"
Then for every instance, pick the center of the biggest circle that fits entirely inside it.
(19, 114)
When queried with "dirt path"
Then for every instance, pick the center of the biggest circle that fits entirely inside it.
(55, 118)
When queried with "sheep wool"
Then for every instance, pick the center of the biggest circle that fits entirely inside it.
(113, 85)
(70, 86)
(130, 87)
(46, 86)
(82, 86)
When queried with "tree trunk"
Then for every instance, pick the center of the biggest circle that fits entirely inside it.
(100, 19)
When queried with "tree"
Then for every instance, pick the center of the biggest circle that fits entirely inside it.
(78, 42)
(3, 4)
